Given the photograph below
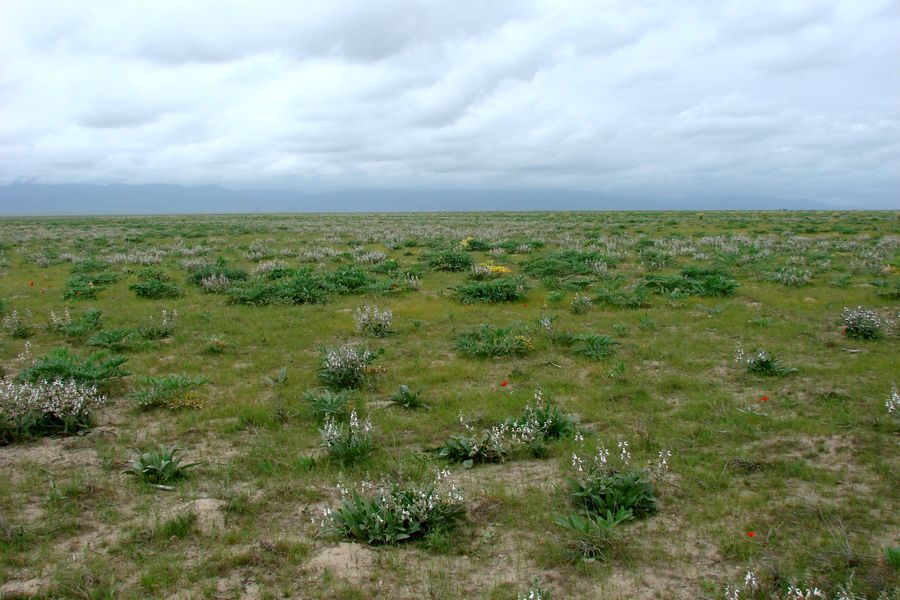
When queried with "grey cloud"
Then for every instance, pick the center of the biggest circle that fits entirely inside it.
(613, 96)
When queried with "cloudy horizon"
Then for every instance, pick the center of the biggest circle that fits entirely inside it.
(795, 100)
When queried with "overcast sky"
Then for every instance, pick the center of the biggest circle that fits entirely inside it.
(789, 98)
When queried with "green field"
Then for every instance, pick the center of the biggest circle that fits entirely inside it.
(625, 325)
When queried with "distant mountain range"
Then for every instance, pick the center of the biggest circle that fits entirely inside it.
(22, 199)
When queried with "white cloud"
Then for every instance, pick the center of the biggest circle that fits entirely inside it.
(795, 98)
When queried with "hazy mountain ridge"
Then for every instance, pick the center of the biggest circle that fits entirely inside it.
(24, 199)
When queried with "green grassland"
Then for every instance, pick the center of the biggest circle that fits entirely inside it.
(792, 476)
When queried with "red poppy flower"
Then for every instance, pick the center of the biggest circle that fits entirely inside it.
(525, 305)
(31, 283)
(504, 383)
(751, 534)
(765, 398)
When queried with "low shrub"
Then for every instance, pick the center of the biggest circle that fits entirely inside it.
(121, 338)
(327, 404)
(158, 330)
(350, 443)
(762, 363)
(30, 410)
(636, 297)
(448, 260)
(169, 391)
(373, 321)
(82, 287)
(490, 341)
(862, 323)
(592, 537)
(407, 398)
(345, 367)
(594, 346)
(155, 284)
(567, 263)
(64, 364)
(90, 321)
(160, 465)
(503, 289)
(17, 325)
(348, 279)
(390, 512)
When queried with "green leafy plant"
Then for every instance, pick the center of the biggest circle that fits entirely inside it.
(327, 403)
(280, 377)
(345, 367)
(121, 338)
(605, 489)
(491, 341)
(170, 391)
(862, 323)
(82, 287)
(407, 398)
(160, 465)
(30, 410)
(79, 328)
(350, 443)
(763, 363)
(64, 364)
(392, 513)
(502, 289)
(593, 346)
(155, 284)
(592, 537)
(448, 260)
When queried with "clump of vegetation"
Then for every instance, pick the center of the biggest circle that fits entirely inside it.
(530, 432)
(83, 287)
(64, 364)
(607, 496)
(593, 345)
(388, 513)
(503, 289)
(18, 326)
(156, 285)
(30, 410)
(120, 338)
(592, 537)
(345, 367)
(790, 276)
(448, 260)
(762, 363)
(373, 321)
(694, 281)
(159, 330)
(862, 323)
(407, 398)
(580, 304)
(485, 271)
(350, 443)
(567, 263)
(160, 465)
(169, 391)
(328, 404)
(547, 418)
(635, 297)
(488, 341)
(90, 321)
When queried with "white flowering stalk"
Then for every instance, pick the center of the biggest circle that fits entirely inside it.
(861, 323)
(30, 409)
(371, 258)
(268, 266)
(58, 322)
(344, 367)
(372, 320)
(893, 401)
(215, 283)
(387, 512)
